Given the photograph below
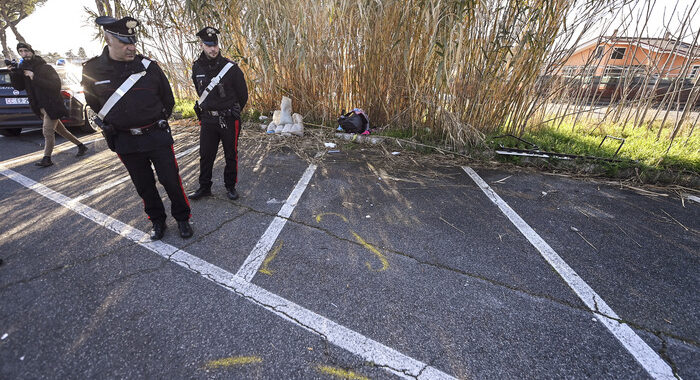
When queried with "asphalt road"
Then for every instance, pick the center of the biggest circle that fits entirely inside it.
(354, 264)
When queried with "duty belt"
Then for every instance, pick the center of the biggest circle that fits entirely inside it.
(141, 130)
(218, 113)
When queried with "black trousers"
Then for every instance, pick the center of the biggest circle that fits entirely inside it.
(163, 159)
(210, 134)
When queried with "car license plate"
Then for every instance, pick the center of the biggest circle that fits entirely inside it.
(16, 101)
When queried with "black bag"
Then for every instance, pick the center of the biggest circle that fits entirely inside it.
(353, 122)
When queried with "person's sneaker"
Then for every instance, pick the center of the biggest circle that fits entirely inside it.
(231, 193)
(185, 229)
(158, 230)
(81, 150)
(200, 193)
(46, 161)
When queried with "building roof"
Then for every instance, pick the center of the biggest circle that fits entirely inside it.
(660, 45)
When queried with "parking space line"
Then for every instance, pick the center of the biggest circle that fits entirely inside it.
(645, 355)
(58, 148)
(370, 350)
(123, 179)
(262, 247)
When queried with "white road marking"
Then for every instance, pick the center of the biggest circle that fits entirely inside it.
(343, 337)
(33, 156)
(121, 180)
(645, 355)
(101, 188)
(692, 198)
(188, 151)
(262, 248)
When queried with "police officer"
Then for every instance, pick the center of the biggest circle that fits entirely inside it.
(222, 94)
(134, 120)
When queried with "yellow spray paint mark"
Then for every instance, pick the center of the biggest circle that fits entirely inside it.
(234, 361)
(341, 373)
(320, 216)
(371, 248)
(264, 269)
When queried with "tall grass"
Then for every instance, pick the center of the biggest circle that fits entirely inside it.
(461, 69)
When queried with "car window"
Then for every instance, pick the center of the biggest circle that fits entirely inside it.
(4, 78)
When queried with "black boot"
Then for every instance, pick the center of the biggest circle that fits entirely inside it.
(200, 193)
(158, 230)
(231, 193)
(185, 229)
(81, 150)
(46, 161)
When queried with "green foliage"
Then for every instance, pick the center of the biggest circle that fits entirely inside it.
(641, 148)
(184, 108)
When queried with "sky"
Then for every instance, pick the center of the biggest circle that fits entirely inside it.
(60, 25)
(57, 26)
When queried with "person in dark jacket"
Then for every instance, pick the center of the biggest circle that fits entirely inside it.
(43, 88)
(136, 125)
(223, 94)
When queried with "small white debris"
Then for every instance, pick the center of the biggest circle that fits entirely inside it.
(4, 336)
(22, 358)
(334, 304)
(380, 178)
(692, 198)
(395, 153)
(329, 145)
(544, 193)
(574, 229)
(593, 319)
(262, 118)
(367, 216)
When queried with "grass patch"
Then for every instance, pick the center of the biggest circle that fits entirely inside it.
(641, 148)
(184, 109)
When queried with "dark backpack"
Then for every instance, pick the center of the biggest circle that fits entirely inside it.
(353, 122)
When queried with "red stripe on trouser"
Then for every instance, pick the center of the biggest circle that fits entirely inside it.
(179, 179)
(132, 181)
(235, 146)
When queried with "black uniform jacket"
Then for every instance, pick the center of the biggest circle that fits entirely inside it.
(235, 89)
(148, 101)
(44, 91)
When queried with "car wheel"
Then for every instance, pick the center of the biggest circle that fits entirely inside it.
(89, 125)
(11, 131)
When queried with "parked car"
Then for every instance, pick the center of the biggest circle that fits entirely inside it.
(616, 88)
(16, 114)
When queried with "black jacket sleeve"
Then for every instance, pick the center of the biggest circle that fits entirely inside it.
(90, 96)
(240, 86)
(166, 93)
(47, 79)
(17, 79)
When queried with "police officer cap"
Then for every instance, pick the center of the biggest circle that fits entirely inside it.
(208, 35)
(124, 29)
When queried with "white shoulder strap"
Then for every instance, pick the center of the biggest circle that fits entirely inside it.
(214, 82)
(126, 86)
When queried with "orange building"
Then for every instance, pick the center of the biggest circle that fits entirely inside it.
(633, 56)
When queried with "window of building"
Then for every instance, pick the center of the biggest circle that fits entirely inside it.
(694, 72)
(589, 71)
(570, 71)
(618, 53)
(598, 52)
(613, 71)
